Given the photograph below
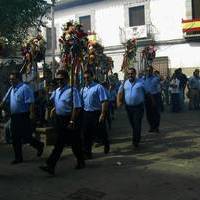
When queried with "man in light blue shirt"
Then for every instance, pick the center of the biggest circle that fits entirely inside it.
(194, 90)
(21, 99)
(95, 106)
(133, 92)
(153, 99)
(67, 108)
(93, 96)
(112, 99)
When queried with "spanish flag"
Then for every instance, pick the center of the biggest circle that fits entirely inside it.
(191, 25)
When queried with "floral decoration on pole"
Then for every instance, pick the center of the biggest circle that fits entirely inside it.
(73, 47)
(81, 51)
(130, 54)
(148, 55)
(33, 51)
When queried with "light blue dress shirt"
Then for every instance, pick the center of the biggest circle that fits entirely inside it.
(133, 92)
(62, 98)
(194, 82)
(152, 84)
(113, 95)
(141, 79)
(21, 97)
(92, 96)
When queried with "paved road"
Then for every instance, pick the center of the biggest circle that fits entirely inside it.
(166, 167)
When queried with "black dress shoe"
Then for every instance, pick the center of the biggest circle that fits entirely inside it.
(156, 130)
(40, 150)
(136, 144)
(14, 162)
(107, 148)
(88, 156)
(80, 165)
(151, 130)
(48, 169)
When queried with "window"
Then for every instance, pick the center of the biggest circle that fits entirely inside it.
(86, 22)
(136, 16)
(49, 38)
(195, 9)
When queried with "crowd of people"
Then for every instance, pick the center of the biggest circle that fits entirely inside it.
(83, 116)
(177, 88)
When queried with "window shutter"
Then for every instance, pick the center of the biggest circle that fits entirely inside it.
(136, 16)
(86, 22)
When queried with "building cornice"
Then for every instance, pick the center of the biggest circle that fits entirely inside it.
(140, 43)
(73, 3)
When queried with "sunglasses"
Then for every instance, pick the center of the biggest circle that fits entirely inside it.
(86, 77)
(60, 79)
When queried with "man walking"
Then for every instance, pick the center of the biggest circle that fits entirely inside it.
(152, 99)
(194, 87)
(175, 92)
(95, 107)
(21, 99)
(183, 83)
(67, 104)
(133, 92)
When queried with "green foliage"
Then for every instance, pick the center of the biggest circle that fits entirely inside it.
(17, 16)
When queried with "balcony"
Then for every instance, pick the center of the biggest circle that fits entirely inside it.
(143, 33)
(191, 29)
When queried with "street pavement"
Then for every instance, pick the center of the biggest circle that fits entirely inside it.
(166, 166)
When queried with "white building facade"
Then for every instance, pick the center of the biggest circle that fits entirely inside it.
(150, 21)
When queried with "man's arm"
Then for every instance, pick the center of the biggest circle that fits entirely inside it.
(5, 98)
(120, 96)
(1, 105)
(32, 111)
(74, 117)
(104, 111)
(75, 114)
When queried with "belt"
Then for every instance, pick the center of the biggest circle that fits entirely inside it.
(92, 111)
(20, 114)
(66, 115)
(141, 104)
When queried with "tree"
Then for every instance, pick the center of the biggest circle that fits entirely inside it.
(18, 16)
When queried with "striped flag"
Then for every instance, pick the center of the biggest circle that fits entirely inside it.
(191, 25)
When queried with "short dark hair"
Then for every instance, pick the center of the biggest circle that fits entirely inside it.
(132, 68)
(89, 72)
(17, 75)
(64, 73)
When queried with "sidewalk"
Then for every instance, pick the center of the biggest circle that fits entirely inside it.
(165, 167)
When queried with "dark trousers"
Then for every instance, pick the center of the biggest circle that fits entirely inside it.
(92, 130)
(175, 102)
(135, 115)
(66, 136)
(21, 130)
(112, 107)
(153, 107)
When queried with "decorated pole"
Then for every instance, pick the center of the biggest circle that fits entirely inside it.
(53, 39)
(129, 55)
(148, 55)
(33, 52)
(80, 51)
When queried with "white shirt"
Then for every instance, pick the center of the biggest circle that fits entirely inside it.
(174, 86)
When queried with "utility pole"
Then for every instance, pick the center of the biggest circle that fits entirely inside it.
(53, 38)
